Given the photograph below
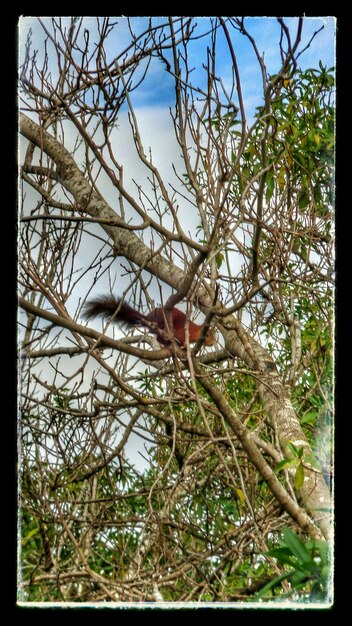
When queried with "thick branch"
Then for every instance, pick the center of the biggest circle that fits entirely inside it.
(254, 453)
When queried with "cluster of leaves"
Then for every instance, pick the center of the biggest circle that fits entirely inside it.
(302, 133)
(295, 459)
(308, 569)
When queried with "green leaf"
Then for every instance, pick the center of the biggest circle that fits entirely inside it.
(283, 556)
(296, 546)
(318, 545)
(240, 495)
(280, 465)
(281, 179)
(292, 448)
(29, 535)
(297, 578)
(287, 463)
(279, 553)
(325, 574)
(299, 477)
(271, 584)
(219, 259)
(270, 186)
(303, 200)
(309, 418)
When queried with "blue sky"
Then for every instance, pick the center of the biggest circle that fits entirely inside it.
(156, 94)
(158, 87)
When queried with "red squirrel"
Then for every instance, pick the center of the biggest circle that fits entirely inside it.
(156, 320)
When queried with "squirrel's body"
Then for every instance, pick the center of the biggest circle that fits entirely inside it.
(166, 325)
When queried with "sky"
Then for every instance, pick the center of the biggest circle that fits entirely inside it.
(265, 30)
(156, 94)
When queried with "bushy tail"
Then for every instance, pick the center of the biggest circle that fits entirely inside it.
(108, 306)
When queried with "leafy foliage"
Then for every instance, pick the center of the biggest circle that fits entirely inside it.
(309, 568)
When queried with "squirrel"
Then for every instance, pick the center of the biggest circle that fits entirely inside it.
(157, 320)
